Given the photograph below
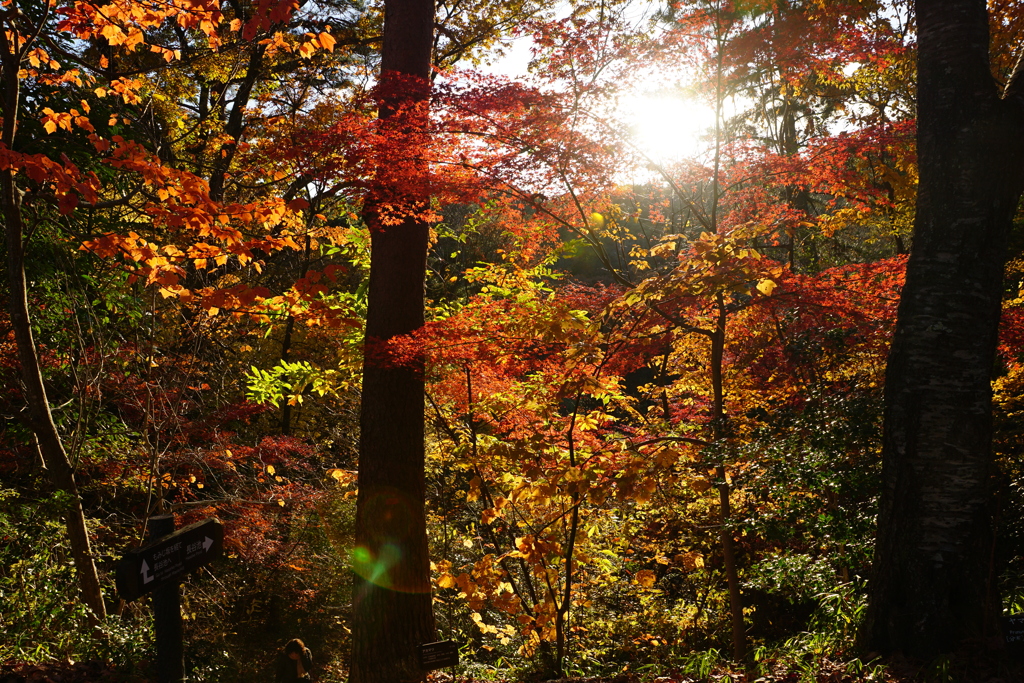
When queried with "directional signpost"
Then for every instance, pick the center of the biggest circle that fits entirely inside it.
(168, 558)
(158, 566)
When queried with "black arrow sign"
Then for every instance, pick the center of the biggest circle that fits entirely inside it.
(168, 558)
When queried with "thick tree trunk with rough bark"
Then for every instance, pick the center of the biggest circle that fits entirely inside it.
(931, 589)
(392, 603)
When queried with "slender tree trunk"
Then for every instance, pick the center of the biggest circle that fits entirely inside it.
(564, 604)
(739, 632)
(392, 602)
(51, 449)
(929, 591)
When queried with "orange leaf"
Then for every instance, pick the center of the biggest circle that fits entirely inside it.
(700, 485)
(645, 577)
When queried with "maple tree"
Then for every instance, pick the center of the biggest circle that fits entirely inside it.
(715, 211)
(554, 443)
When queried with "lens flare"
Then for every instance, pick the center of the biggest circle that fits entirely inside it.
(376, 569)
(379, 560)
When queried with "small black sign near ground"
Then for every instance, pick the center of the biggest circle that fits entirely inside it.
(438, 655)
(1013, 635)
(169, 558)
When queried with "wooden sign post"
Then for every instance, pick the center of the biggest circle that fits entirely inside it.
(167, 626)
(158, 567)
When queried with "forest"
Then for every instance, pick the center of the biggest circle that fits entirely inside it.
(612, 340)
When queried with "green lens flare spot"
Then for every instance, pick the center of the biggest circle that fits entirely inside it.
(361, 555)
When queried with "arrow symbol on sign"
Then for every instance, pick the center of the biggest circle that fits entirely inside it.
(207, 542)
(146, 577)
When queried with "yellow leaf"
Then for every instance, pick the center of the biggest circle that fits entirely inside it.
(270, 469)
(766, 287)
(474, 490)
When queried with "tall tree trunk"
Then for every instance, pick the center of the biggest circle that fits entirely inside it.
(40, 418)
(392, 603)
(930, 589)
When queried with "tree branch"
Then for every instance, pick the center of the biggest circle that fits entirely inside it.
(1015, 85)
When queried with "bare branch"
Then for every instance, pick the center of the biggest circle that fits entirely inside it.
(1015, 85)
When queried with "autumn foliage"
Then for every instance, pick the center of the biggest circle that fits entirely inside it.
(652, 387)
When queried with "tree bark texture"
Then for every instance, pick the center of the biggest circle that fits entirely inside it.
(930, 590)
(392, 602)
(40, 418)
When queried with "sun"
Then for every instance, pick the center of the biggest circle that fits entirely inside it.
(667, 127)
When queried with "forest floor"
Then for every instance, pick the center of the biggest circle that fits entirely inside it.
(976, 668)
